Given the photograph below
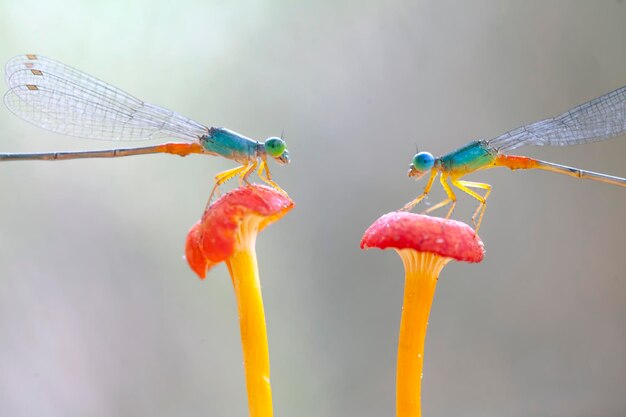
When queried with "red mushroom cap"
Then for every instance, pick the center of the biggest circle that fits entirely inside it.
(444, 237)
(212, 240)
(196, 260)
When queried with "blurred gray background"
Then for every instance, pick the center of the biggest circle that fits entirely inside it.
(100, 315)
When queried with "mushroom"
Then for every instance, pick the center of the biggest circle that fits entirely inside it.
(425, 244)
(227, 233)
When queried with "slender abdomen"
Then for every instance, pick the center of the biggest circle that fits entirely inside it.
(521, 162)
(181, 149)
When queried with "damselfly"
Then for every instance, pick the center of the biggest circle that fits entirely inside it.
(62, 99)
(598, 119)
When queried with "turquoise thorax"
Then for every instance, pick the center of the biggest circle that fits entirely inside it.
(230, 145)
(469, 158)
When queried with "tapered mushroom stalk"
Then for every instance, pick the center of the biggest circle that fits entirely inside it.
(227, 233)
(425, 244)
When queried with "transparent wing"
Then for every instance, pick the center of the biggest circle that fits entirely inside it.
(598, 119)
(62, 99)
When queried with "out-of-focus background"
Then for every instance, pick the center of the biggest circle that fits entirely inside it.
(100, 315)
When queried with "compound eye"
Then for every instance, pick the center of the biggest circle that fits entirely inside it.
(423, 161)
(275, 147)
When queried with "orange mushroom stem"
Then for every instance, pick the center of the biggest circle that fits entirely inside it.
(227, 233)
(425, 244)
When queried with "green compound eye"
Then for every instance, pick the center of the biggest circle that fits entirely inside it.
(423, 161)
(274, 147)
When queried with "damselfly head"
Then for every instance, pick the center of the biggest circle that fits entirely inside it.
(421, 164)
(276, 148)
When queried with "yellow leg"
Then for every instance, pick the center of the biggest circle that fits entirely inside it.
(408, 206)
(224, 176)
(266, 176)
(480, 210)
(451, 198)
(243, 175)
